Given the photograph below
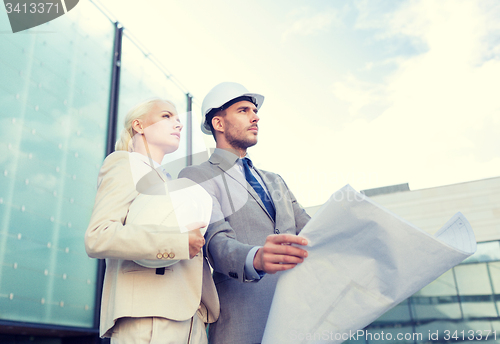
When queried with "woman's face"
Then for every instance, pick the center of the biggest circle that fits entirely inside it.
(162, 127)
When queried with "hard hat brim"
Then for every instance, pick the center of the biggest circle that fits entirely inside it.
(259, 99)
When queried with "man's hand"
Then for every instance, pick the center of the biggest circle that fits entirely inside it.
(196, 240)
(277, 254)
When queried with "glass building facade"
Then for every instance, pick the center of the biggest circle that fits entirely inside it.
(65, 88)
(462, 305)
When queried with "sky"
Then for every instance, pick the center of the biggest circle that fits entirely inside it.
(370, 93)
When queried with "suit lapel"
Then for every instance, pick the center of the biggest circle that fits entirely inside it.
(274, 192)
(162, 176)
(232, 171)
(151, 178)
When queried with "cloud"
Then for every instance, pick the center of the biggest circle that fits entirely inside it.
(311, 24)
(365, 99)
(434, 120)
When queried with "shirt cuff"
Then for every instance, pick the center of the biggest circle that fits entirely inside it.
(250, 272)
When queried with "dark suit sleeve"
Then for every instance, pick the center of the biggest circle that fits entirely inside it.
(225, 253)
(301, 217)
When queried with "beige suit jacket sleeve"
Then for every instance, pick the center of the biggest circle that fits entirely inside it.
(108, 237)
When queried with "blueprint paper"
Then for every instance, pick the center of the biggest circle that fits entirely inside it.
(363, 260)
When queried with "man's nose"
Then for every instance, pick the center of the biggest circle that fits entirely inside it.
(255, 118)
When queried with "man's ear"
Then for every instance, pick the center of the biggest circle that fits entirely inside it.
(137, 126)
(218, 123)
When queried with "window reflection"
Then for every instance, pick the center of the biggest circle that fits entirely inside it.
(486, 252)
(468, 293)
(473, 279)
(54, 91)
(140, 79)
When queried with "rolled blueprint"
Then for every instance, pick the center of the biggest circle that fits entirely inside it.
(363, 260)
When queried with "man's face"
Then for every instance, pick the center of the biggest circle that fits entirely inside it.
(240, 125)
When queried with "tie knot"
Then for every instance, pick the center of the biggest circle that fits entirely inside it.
(248, 162)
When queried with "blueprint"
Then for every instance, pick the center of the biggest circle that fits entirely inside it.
(363, 260)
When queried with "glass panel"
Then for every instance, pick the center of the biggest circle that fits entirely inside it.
(444, 285)
(399, 314)
(141, 79)
(54, 94)
(435, 308)
(472, 279)
(486, 252)
(481, 306)
(494, 269)
(201, 142)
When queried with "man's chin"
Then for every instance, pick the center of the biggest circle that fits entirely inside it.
(252, 142)
(245, 143)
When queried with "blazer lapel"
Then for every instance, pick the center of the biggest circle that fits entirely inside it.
(274, 193)
(145, 184)
(232, 171)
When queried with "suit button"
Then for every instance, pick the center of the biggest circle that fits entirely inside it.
(276, 231)
(165, 255)
(159, 256)
(171, 255)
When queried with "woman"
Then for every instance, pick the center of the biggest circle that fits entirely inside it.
(140, 304)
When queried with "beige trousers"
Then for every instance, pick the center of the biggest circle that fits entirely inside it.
(159, 331)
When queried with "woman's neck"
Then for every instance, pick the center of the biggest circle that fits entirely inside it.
(140, 146)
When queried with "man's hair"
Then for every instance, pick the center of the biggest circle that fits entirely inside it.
(221, 111)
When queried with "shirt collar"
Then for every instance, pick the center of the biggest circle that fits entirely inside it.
(145, 159)
(156, 166)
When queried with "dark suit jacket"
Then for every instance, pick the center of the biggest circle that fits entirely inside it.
(239, 222)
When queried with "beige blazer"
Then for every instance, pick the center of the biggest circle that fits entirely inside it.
(131, 290)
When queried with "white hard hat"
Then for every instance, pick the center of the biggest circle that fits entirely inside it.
(220, 95)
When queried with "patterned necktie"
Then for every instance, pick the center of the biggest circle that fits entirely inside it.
(258, 188)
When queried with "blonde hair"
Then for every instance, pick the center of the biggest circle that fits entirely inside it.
(137, 112)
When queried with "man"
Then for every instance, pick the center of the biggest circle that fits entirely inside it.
(255, 217)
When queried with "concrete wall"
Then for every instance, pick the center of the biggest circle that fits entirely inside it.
(429, 209)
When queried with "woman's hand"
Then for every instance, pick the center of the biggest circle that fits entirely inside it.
(196, 240)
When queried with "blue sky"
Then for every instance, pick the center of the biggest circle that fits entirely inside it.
(370, 93)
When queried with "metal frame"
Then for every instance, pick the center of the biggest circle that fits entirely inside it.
(189, 129)
(19, 327)
(115, 89)
(16, 327)
(110, 147)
